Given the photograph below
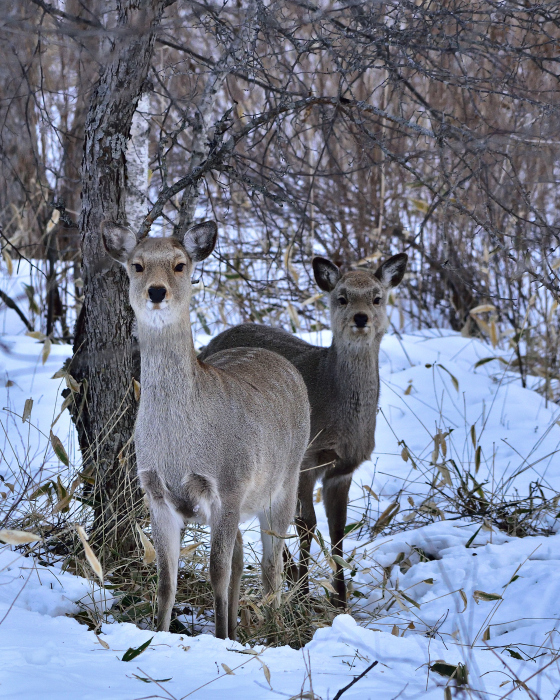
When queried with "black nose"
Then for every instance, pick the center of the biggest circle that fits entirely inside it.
(361, 320)
(157, 294)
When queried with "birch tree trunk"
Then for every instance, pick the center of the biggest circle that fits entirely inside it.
(103, 350)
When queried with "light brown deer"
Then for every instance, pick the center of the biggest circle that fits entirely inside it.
(216, 442)
(343, 386)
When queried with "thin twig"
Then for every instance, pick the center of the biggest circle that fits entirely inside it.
(347, 687)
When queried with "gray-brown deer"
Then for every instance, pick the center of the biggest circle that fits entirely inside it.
(216, 442)
(343, 387)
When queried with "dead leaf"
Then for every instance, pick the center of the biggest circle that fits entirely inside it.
(16, 537)
(93, 561)
(149, 551)
(27, 410)
(189, 549)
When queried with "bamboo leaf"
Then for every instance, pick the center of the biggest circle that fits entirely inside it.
(36, 334)
(482, 309)
(477, 456)
(342, 562)
(484, 361)
(266, 671)
(453, 378)
(59, 450)
(149, 551)
(93, 561)
(473, 435)
(486, 597)
(27, 409)
(370, 491)
(132, 653)
(189, 549)
(46, 350)
(8, 260)
(16, 537)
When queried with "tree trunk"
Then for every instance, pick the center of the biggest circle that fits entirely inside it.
(106, 410)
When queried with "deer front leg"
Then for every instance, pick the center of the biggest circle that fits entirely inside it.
(166, 531)
(222, 545)
(335, 498)
(235, 585)
(306, 522)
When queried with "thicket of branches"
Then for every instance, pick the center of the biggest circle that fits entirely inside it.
(347, 129)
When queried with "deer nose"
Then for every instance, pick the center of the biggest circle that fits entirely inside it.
(361, 320)
(157, 294)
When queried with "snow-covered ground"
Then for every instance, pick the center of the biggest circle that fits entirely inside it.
(456, 590)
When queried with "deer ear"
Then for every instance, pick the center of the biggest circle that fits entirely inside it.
(391, 272)
(326, 274)
(200, 240)
(119, 241)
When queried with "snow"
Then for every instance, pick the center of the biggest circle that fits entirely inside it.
(422, 594)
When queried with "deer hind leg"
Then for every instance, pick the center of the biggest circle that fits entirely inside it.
(275, 520)
(335, 498)
(306, 521)
(234, 585)
(223, 543)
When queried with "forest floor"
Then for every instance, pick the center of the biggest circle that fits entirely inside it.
(454, 559)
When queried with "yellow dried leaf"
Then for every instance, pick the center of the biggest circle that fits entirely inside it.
(405, 453)
(408, 390)
(266, 671)
(464, 599)
(326, 584)
(445, 475)
(37, 335)
(93, 561)
(27, 410)
(312, 300)
(63, 503)
(8, 260)
(371, 492)
(395, 630)
(494, 334)
(136, 386)
(72, 384)
(486, 597)
(189, 549)
(46, 350)
(228, 670)
(102, 642)
(18, 537)
(319, 495)
(149, 551)
(421, 205)
(293, 315)
(483, 308)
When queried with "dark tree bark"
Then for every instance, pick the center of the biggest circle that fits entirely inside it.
(103, 352)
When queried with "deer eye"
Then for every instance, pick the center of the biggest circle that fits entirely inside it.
(342, 301)
(180, 267)
(138, 267)
(377, 301)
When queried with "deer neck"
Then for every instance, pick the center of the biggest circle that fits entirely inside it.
(354, 373)
(167, 358)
